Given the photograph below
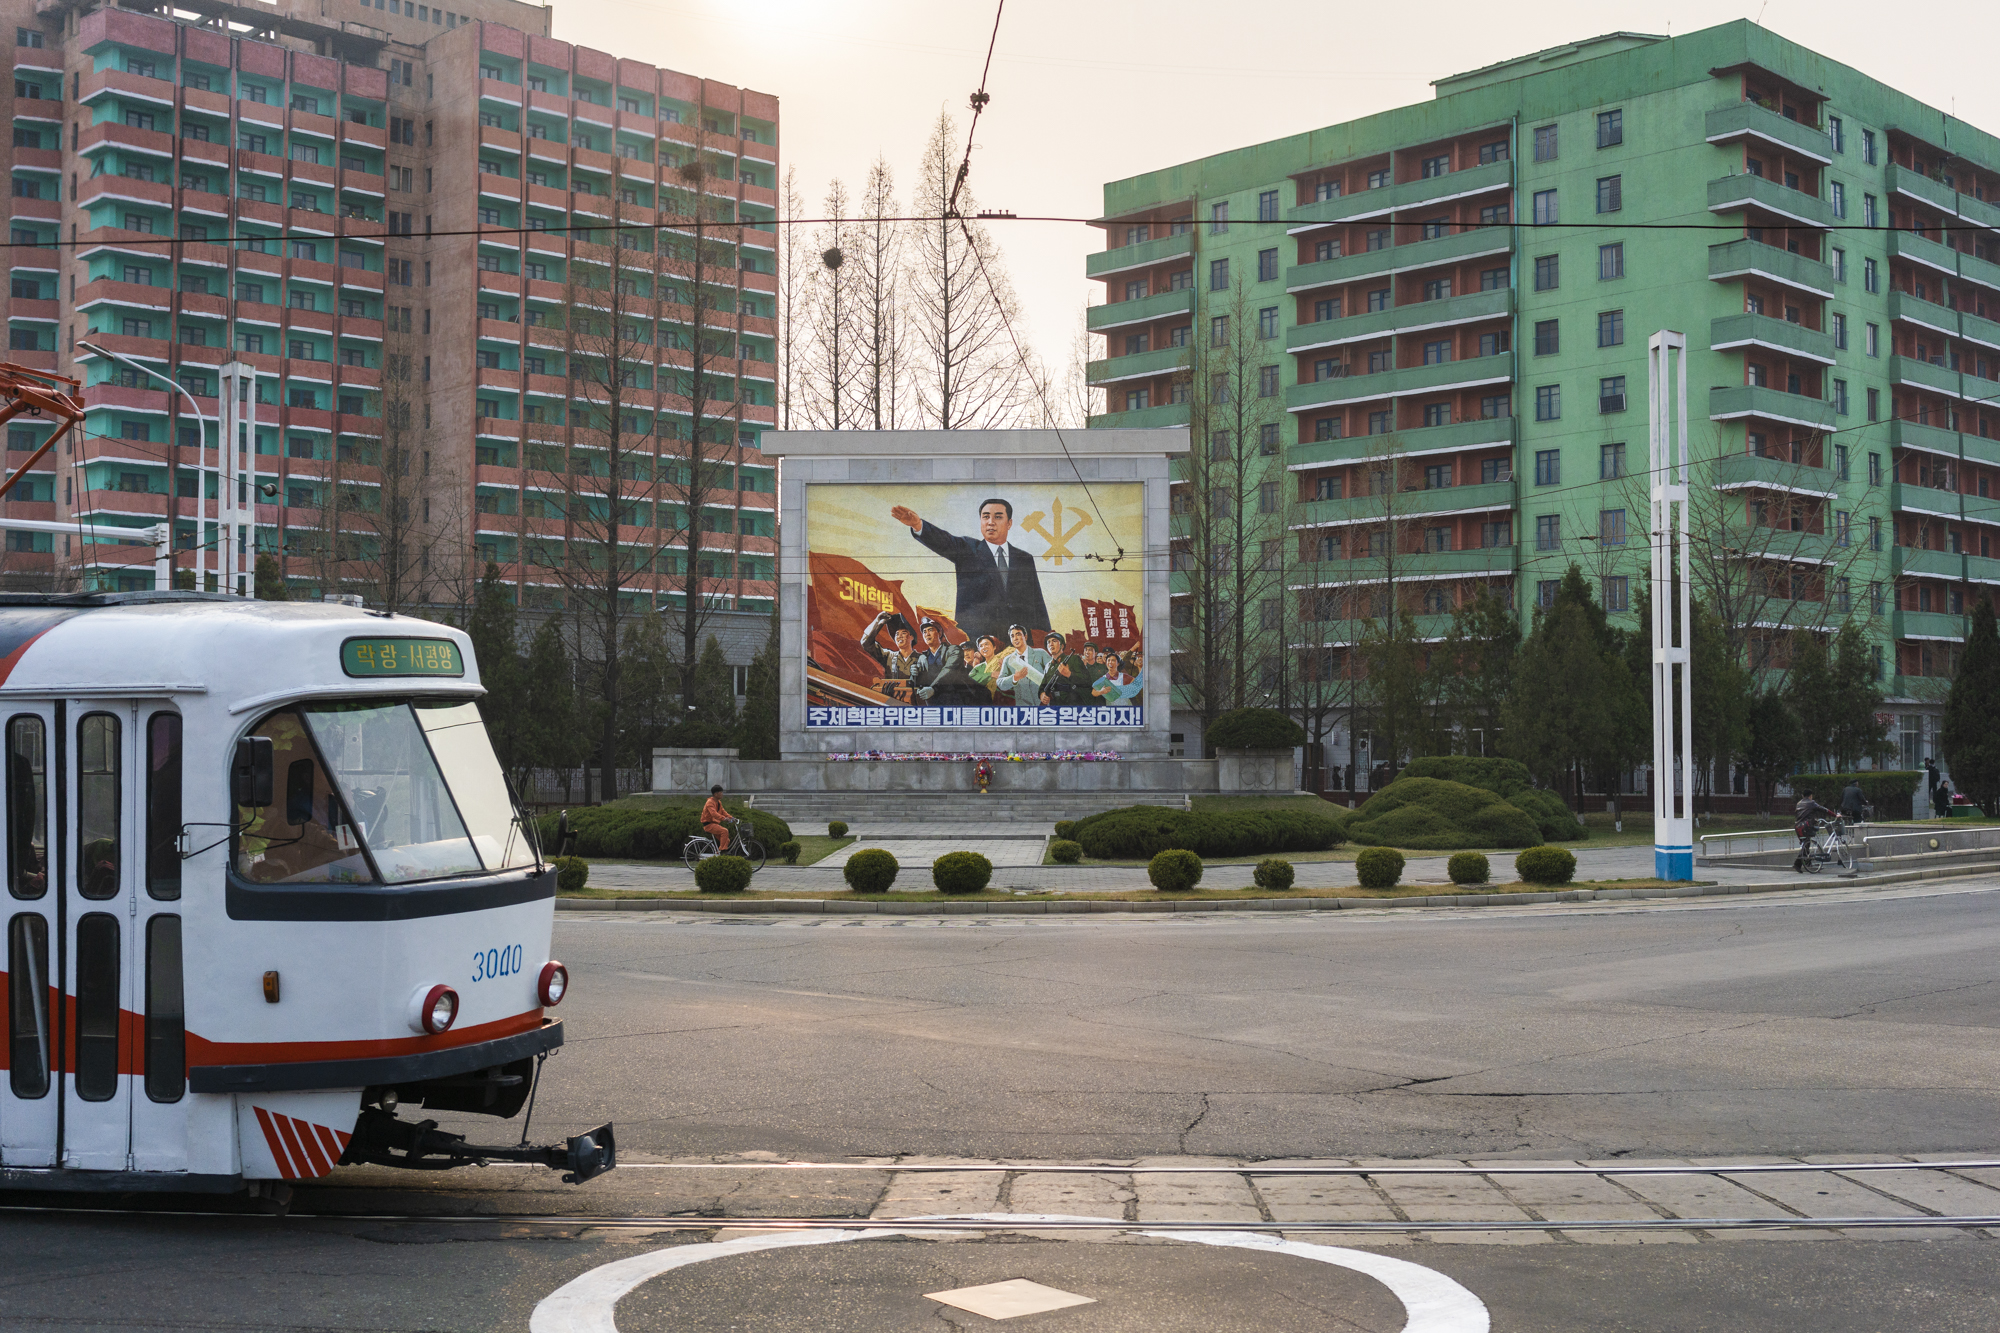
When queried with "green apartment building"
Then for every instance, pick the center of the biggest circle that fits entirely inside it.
(1475, 278)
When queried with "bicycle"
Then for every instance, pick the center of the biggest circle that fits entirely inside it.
(1830, 848)
(700, 847)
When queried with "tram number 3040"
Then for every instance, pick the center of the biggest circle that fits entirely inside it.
(504, 962)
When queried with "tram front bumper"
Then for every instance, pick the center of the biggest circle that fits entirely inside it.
(420, 1066)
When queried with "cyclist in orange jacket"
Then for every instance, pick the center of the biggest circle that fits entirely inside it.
(714, 819)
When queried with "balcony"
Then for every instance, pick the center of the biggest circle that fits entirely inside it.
(1929, 625)
(1909, 498)
(1747, 120)
(1944, 259)
(1915, 185)
(1410, 194)
(1479, 433)
(1442, 378)
(1733, 332)
(1769, 196)
(1952, 383)
(1931, 564)
(1418, 317)
(1904, 434)
(1731, 402)
(1737, 472)
(1145, 310)
(1404, 258)
(1145, 418)
(1437, 502)
(1126, 258)
(1139, 366)
(1930, 314)
(1747, 258)
(1478, 562)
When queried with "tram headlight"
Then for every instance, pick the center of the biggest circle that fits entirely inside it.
(553, 984)
(433, 1009)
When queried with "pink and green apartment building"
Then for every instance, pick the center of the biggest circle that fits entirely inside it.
(1477, 277)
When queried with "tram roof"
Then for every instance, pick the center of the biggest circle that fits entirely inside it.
(239, 651)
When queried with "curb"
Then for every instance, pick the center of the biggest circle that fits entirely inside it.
(1086, 906)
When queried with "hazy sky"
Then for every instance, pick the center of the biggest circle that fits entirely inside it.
(1086, 91)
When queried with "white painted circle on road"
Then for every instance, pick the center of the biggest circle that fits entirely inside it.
(1432, 1302)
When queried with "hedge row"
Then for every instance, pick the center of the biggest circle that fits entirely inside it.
(1141, 832)
(650, 833)
(1429, 814)
(1509, 780)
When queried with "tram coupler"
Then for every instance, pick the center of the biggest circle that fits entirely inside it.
(380, 1139)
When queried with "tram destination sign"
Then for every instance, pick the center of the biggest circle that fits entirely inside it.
(401, 657)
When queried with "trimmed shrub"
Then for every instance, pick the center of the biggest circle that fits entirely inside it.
(1065, 828)
(790, 851)
(722, 874)
(836, 828)
(1468, 868)
(572, 873)
(1255, 729)
(1508, 779)
(1140, 832)
(1379, 867)
(1435, 815)
(961, 872)
(1064, 852)
(1272, 873)
(870, 871)
(1546, 865)
(1174, 870)
(653, 832)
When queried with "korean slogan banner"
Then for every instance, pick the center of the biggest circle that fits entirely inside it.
(982, 606)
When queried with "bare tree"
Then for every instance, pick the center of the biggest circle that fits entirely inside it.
(964, 368)
(830, 373)
(797, 271)
(877, 263)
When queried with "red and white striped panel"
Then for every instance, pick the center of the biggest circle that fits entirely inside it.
(294, 1135)
(302, 1150)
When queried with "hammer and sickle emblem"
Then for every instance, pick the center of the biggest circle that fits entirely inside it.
(1059, 539)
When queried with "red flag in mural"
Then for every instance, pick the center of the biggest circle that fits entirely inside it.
(1112, 625)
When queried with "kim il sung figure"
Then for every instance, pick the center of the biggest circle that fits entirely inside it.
(997, 582)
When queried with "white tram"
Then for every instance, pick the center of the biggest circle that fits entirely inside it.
(265, 883)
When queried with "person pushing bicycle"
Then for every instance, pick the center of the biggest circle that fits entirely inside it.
(714, 819)
(1805, 818)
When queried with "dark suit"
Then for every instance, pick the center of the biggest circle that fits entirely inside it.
(989, 598)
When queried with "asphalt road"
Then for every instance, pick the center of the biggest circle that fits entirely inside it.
(1732, 1026)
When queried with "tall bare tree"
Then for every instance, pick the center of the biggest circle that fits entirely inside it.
(832, 368)
(796, 276)
(878, 278)
(964, 368)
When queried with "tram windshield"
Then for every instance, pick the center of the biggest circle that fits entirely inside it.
(400, 791)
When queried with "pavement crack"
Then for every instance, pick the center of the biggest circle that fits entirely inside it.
(1200, 1116)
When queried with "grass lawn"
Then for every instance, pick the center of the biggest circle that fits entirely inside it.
(1128, 895)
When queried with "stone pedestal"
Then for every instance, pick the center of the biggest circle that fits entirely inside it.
(685, 772)
(1255, 773)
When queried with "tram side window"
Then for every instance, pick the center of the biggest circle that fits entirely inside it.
(27, 807)
(97, 795)
(166, 1011)
(97, 1007)
(163, 805)
(28, 1034)
(306, 836)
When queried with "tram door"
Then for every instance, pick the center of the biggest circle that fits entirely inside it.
(29, 1097)
(97, 890)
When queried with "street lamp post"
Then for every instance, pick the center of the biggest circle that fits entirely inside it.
(1673, 632)
(226, 506)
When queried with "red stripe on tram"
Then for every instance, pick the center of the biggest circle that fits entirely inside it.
(277, 1146)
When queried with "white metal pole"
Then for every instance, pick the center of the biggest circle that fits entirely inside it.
(233, 524)
(1673, 736)
(163, 559)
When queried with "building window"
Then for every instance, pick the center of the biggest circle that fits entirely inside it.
(1548, 403)
(1436, 165)
(1496, 406)
(1617, 593)
(1495, 279)
(1611, 328)
(1610, 462)
(1842, 521)
(1610, 194)
(1840, 331)
(1437, 352)
(1378, 179)
(1874, 469)
(1868, 210)
(1610, 528)
(1840, 462)
(1437, 414)
(1489, 153)
(1837, 132)
(1218, 275)
(1611, 261)
(1326, 190)
(1840, 398)
(1610, 128)
(1267, 439)
(1548, 337)
(1267, 265)
(1436, 228)
(1874, 414)
(1437, 289)
(1546, 212)
(1326, 428)
(1379, 299)
(1548, 467)
(1493, 344)
(1873, 340)
(1137, 400)
(1267, 381)
(1868, 147)
(1218, 389)
(1380, 423)
(1548, 532)
(1267, 322)
(1874, 534)
(1545, 143)
(1218, 331)
(1611, 394)
(1837, 199)
(1218, 218)
(1871, 276)
(1548, 272)
(1267, 206)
